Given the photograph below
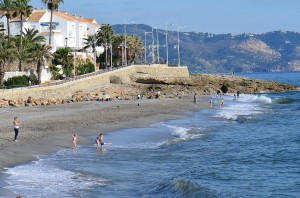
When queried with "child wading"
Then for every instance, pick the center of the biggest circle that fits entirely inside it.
(99, 141)
(74, 141)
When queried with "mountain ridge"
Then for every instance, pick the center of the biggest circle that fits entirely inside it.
(218, 53)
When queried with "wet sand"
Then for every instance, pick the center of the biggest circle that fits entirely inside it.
(48, 129)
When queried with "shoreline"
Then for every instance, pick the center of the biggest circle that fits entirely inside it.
(48, 129)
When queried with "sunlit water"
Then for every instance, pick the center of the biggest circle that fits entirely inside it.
(248, 148)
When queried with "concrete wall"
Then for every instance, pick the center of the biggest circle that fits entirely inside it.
(8, 75)
(66, 90)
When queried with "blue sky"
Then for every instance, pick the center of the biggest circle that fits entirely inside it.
(214, 16)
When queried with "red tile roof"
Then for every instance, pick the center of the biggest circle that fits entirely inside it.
(38, 14)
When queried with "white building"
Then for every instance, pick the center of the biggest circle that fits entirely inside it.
(67, 31)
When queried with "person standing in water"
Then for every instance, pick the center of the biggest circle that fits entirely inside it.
(16, 124)
(222, 102)
(195, 100)
(74, 141)
(99, 141)
(211, 101)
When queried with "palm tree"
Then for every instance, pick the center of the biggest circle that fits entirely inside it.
(118, 48)
(64, 57)
(6, 55)
(39, 54)
(8, 8)
(32, 36)
(105, 35)
(52, 5)
(22, 54)
(29, 38)
(92, 42)
(135, 48)
(22, 9)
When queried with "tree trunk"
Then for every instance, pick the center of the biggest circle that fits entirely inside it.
(51, 18)
(8, 29)
(1, 74)
(39, 72)
(21, 44)
(95, 60)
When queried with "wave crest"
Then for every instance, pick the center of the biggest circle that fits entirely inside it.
(182, 188)
(255, 98)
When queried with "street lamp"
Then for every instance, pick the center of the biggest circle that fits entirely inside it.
(106, 54)
(66, 42)
(153, 54)
(111, 58)
(157, 45)
(125, 42)
(178, 47)
(167, 50)
(146, 46)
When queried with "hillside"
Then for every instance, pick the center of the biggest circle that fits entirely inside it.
(218, 53)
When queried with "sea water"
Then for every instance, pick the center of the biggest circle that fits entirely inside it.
(248, 148)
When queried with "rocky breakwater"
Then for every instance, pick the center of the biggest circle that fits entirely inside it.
(205, 84)
(143, 85)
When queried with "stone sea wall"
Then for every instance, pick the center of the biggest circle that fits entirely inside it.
(66, 90)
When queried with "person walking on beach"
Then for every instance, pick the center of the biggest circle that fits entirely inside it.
(195, 100)
(74, 141)
(16, 124)
(99, 141)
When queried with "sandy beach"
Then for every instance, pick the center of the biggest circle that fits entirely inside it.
(47, 129)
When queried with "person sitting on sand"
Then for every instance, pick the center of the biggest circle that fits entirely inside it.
(74, 141)
(99, 141)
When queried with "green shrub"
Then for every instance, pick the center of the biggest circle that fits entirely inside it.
(67, 71)
(85, 68)
(33, 79)
(17, 81)
(55, 72)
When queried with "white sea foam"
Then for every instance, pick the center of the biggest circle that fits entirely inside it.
(43, 179)
(255, 98)
(245, 108)
(182, 133)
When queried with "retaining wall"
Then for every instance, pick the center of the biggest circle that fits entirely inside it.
(66, 90)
